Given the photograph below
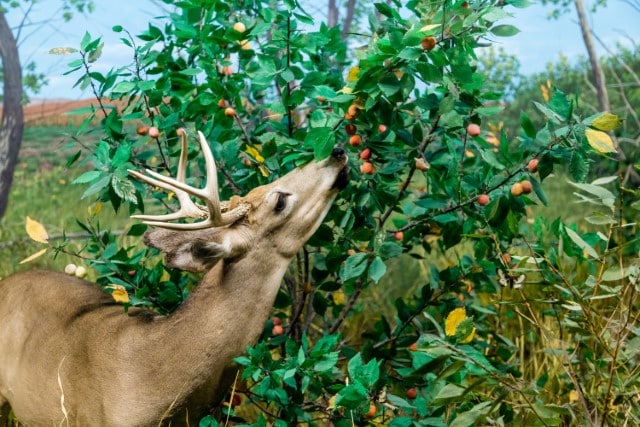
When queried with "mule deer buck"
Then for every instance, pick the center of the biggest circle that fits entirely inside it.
(69, 355)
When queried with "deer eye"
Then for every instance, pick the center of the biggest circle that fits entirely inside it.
(281, 203)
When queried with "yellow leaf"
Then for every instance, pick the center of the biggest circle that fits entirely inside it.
(573, 396)
(119, 294)
(36, 231)
(95, 209)
(253, 152)
(429, 27)
(600, 141)
(545, 92)
(339, 297)
(353, 74)
(469, 337)
(453, 320)
(264, 171)
(34, 256)
(606, 122)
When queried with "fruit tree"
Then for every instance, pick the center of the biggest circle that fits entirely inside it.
(432, 210)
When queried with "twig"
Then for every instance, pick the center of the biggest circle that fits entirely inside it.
(347, 308)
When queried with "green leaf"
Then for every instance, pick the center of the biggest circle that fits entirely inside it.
(322, 140)
(87, 177)
(97, 186)
(578, 166)
(352, 396)
(450, 393)
(390, 250)
(493, 14)
(579, 241)
(614, 273)
(124, 87)
(377, 269)
(505, 30)
(367, 375)
(527, 125)
(561, 104)
(124, 189)
(327, 362)
(471, 417)
(86, 39)
(354, 266)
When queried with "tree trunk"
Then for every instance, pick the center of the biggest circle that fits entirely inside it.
(598, 74)
(348, 20)
(332, 13)
(12, 120)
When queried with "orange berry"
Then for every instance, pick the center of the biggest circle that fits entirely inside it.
(227, 70)
(350, 129)
(506, 258)
(483, 200)
(239, 27)
(473, 129)
(237, 400)
(413, 347)
(142, 130)
(527, 187)
(533, 165)
(382, 128)
(351, 252)
(411, 393)
(516, 189)
(372, 411)
(428, 43)
(399, 235)
(367, 168)
(229, 112)
(276, 320)
(222, 103)
(353, 110)
(355, 140)
(348, 116)
(365, 154)
(422, 164)
(277, 330)
(321, 99)
(154, 132)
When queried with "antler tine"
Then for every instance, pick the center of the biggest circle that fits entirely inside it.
(188, 209)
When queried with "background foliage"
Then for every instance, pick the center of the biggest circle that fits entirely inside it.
(503, 316)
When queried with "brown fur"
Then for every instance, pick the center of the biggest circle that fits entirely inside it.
(70, 356)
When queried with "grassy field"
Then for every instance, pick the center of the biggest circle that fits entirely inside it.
(42, 190)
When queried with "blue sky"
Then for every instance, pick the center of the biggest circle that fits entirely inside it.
(540, 41)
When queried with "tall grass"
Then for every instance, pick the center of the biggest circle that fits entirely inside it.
(43, 190)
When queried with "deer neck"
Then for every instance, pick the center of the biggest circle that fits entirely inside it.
(238, 292)
(223, 315)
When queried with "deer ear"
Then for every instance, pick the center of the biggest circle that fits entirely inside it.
(199, 250)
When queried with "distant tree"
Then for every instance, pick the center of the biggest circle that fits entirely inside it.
(12, 121)
(564, 6)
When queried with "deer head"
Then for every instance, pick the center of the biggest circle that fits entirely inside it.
(69, 355)
(279, 217)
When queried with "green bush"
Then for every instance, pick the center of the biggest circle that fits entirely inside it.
(526, 324)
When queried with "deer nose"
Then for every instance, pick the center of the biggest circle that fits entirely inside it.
(338, 153)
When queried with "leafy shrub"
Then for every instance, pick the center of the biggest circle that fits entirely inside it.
(508, 333)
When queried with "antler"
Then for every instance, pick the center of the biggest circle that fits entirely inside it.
(216, 213)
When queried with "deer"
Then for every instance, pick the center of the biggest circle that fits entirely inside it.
(70, 355)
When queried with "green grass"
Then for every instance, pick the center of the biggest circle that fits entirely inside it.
(42, 190)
